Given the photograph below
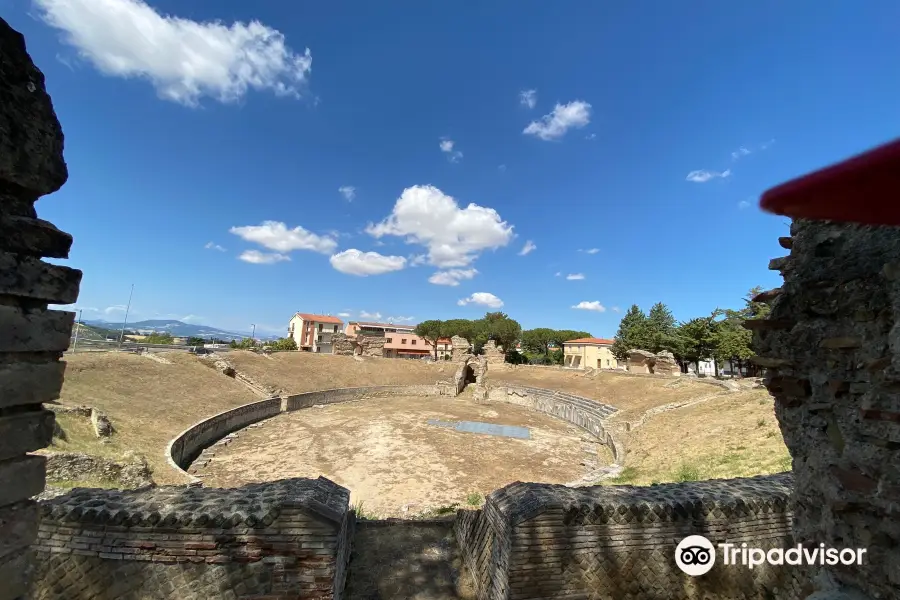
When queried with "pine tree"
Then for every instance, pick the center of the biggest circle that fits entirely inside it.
(632, 333)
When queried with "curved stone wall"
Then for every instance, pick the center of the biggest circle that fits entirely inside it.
(185, 448)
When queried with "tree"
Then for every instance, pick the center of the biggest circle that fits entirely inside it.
(159, 338)
(732, 340)
(244, 344)
(538, 340)
(431, 331)
(499, 327)
(464, 328)
(632, 333)
(698, 339)
(662, 333)
(283, 344)
(195, 341)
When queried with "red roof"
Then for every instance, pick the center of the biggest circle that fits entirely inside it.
(319, 318)
(386, 325)
(597, 341)
(863, 189)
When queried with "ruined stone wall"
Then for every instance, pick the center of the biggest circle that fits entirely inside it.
(548, 541)
(494, 353)
(286, 539)
(459, 347)
(32, 338)
(362, 345)
(583, 412)
(831, 345)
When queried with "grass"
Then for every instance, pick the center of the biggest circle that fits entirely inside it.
(627, 476)
(687, 472)
(474, 499)
(359, 508)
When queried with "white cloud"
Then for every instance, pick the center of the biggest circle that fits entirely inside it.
(594, 306)
(739, 153)
(591, 136)
(400, 319)
(275, 235)
(367, 315)
(702, 176)
(558, 274)
(452, 277)
(256, 257)
(575, 277)
(184, 60)
(344, 315)
(212, 246)
(447, 148)
(416, 259)
(528, 248)
(348, 192)
(115, 308)
(553, 126)
(482, 298)
(528, 98)
(616, 309)
(454, 236)
(591, 251)
(363, 264)
(743, 204)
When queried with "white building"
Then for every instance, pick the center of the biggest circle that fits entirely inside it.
(314, 333)
(726, 368)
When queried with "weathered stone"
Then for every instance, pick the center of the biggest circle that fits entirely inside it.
(39, 331)
(32, 142)
(74, 466)
(30, 277)
(786, 242)
(841, 343)
(779, 264)
(18, 526)
(664, 363)
(493, 353)
(34, 237)
(772, 362)
(754, 324)
(102, 427)
(30, 383)
(25, 432)
(360, 345)
(640, 361)
(15, 571)
(21, 478)
(767, 296)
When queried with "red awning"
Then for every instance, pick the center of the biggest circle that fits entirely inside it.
(864, 189)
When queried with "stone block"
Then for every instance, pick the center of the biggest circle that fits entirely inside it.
(25, 432)
(35, 237)
(21, 478)
(18, 527)
(14, 575)
(30, 383)
(41, 331)
(32, 142)
(31, 277)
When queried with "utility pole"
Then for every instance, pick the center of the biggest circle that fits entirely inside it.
(125, 322)
(77, 327)
(253, 333)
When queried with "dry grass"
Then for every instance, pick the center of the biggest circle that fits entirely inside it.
(734, 435)
(299, 372)
(148, 403)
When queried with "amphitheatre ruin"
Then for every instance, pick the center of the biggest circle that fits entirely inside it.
(294, 475)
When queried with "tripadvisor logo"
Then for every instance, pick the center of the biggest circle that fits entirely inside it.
(695, 555)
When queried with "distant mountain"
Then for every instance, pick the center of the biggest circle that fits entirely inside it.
(177, 328)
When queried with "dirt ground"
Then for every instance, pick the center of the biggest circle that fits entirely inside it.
(394, 462)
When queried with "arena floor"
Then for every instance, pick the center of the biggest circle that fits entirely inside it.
(394, 462)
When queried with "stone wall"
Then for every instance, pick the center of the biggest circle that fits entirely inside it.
(644, 362)
(191, 442)
(359, 345)
(32, 338)
(459, 347)
(280, 540)
(477, 366)
(831, 346)
(494, 353)
(546, 541)
(583, 412)
(75, 466)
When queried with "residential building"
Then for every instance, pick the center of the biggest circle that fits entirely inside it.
(313, 333)
(589, 352)
(400, 340)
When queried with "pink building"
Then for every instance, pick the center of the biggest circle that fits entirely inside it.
(313, 333)
(400, 340)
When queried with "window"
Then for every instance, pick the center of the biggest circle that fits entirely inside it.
(320, 339)
(389, 340)
(402, 341)
(335, 328)
(320, 327)
(414, 342)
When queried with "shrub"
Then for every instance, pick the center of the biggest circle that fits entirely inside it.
(687, 472)
(474, 499)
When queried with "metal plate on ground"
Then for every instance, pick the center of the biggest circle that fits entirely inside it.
(511, 431)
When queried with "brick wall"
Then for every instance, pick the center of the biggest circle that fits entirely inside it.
(545, 541)
(282, 540)
(831, 346)
(32, 338)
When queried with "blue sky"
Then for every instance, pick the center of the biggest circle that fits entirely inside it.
(626, 143)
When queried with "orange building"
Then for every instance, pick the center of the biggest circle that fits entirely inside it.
(313, 333)
(400, 340)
